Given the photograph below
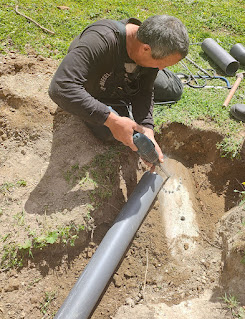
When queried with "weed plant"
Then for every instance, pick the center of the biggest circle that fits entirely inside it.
(234, 306)
(13, 254)
(241, 194)
(47, 300)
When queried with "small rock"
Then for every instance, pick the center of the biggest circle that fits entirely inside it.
(128, 273)
(156, 206)
(182, 295)
(130, 302)
(139, 297)
(4, 137)
(117, 280)
(34, 300)
(90, 254)
(40, 58)
(13, 285)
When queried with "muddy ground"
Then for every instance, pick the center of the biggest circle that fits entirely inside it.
(54, 215)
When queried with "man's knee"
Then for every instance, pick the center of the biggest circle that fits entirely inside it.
(101, 131)
(167, 87)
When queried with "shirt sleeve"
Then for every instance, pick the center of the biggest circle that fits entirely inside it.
(143, 101)
(68, 86)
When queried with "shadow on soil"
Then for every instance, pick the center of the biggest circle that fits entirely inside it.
(71, 158)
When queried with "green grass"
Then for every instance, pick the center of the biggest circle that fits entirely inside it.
(234, 306)
(97, 176)
(14, 254)
(241, 193)
(224, 21)
(220, 19)
(8, 186)
(47, 300)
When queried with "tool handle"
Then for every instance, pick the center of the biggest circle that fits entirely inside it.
(146, 148)
(233, 90)
(198, 66)
(147, 151)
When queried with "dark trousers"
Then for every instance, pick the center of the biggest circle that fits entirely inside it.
(167, 87)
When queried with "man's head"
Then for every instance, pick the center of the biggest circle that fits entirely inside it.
(165, 35)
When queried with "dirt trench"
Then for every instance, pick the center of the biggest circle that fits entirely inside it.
(44, 189)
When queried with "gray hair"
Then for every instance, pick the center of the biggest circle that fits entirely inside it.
(165, 35)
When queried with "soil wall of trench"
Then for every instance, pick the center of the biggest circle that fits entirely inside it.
(170, 270)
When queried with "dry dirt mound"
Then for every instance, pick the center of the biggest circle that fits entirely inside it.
(61, 189)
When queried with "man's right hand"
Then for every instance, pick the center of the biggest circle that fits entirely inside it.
(122, 128)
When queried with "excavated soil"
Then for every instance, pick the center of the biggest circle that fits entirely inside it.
(42, 146)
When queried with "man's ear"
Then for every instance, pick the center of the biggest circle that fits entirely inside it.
(146, 48)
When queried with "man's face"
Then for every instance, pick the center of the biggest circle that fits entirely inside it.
(144, 58)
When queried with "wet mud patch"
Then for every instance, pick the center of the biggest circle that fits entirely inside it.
(61, 190)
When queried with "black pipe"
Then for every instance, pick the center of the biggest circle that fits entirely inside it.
(221, 57)
(238, 52)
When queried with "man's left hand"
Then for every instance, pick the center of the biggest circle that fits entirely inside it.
(150, 134)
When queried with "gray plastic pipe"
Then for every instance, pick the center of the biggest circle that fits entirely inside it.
(86, 292)
(221, 57)
(238, 52)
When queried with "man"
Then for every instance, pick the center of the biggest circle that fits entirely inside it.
(108, 78)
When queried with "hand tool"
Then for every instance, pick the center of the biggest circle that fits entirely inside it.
(191, 76)
(147, 151)
(234, 88)
(198, 66)
(202, 79)
(187, 81)
(146, 148)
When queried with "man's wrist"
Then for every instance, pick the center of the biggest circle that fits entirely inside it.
(149, 130)
(110, 119)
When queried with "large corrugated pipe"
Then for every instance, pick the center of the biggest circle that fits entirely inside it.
(220, 56)
(86, 292)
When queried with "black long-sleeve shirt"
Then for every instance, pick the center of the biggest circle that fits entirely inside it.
(97, 70)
